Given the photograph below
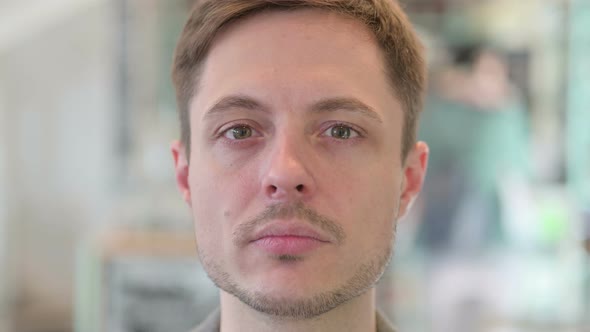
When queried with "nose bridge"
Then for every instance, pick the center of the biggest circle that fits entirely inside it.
(286, 152)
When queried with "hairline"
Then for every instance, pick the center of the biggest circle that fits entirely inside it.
(195, 76)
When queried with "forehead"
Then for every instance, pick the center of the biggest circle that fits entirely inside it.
(311, 35)
(305, 51)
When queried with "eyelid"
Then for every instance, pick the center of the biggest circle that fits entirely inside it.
(359, 132)
(224, 129)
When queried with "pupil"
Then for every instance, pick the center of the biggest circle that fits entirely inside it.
(241, 132)
(341, 132)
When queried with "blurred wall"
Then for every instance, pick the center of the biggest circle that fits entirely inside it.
(3, 208)
(56, 109)
(578, 100)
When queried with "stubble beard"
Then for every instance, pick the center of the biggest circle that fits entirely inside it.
(366, 275)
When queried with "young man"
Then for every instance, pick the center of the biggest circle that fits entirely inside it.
(298, 155)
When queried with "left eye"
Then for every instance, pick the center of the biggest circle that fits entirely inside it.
(239, 132)
(341, 132)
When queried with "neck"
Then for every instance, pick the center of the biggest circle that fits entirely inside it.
(357, 314)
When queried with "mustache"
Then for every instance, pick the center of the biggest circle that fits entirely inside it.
(243, 232)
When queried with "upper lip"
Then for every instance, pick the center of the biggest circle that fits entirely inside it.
(289, 229)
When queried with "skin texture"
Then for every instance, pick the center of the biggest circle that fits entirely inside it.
(295, 85)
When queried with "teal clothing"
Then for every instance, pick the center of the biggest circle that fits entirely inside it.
(483, 144)
(471, 150)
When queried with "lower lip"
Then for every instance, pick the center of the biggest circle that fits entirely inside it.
(287, 245)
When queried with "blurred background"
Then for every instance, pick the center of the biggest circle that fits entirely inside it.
(95, 237)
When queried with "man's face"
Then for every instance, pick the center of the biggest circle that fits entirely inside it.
(295, 179)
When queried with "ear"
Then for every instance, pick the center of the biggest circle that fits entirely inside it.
(181, 169)
(413, 177)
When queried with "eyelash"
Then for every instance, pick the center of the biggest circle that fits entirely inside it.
(222, 132)
(359, 132)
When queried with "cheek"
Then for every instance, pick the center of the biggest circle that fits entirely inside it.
(371, 200)
(220, 194)
(369, 183)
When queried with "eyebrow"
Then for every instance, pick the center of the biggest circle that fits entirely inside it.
(232, 102)
(323, 106)
(346, 104)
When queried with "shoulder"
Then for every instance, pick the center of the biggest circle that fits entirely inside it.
(210, 324)
(383, 324)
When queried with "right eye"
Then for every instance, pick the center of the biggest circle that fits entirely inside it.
(239, 132)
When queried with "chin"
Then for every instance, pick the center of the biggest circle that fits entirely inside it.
(297, 300)
(297, 274)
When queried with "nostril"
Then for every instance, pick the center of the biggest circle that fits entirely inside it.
(299, 188)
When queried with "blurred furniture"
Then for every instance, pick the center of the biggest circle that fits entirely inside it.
(148, 281)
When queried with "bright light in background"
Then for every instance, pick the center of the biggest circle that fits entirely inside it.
(20, 20)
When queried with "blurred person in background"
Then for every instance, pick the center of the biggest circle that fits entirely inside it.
(298, 155)
(475, 124)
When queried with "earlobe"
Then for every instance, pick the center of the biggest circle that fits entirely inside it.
(181, 168)
(413, 176)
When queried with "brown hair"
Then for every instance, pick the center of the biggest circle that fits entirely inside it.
(403, 53)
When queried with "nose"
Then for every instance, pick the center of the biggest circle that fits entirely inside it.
(287, 176)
